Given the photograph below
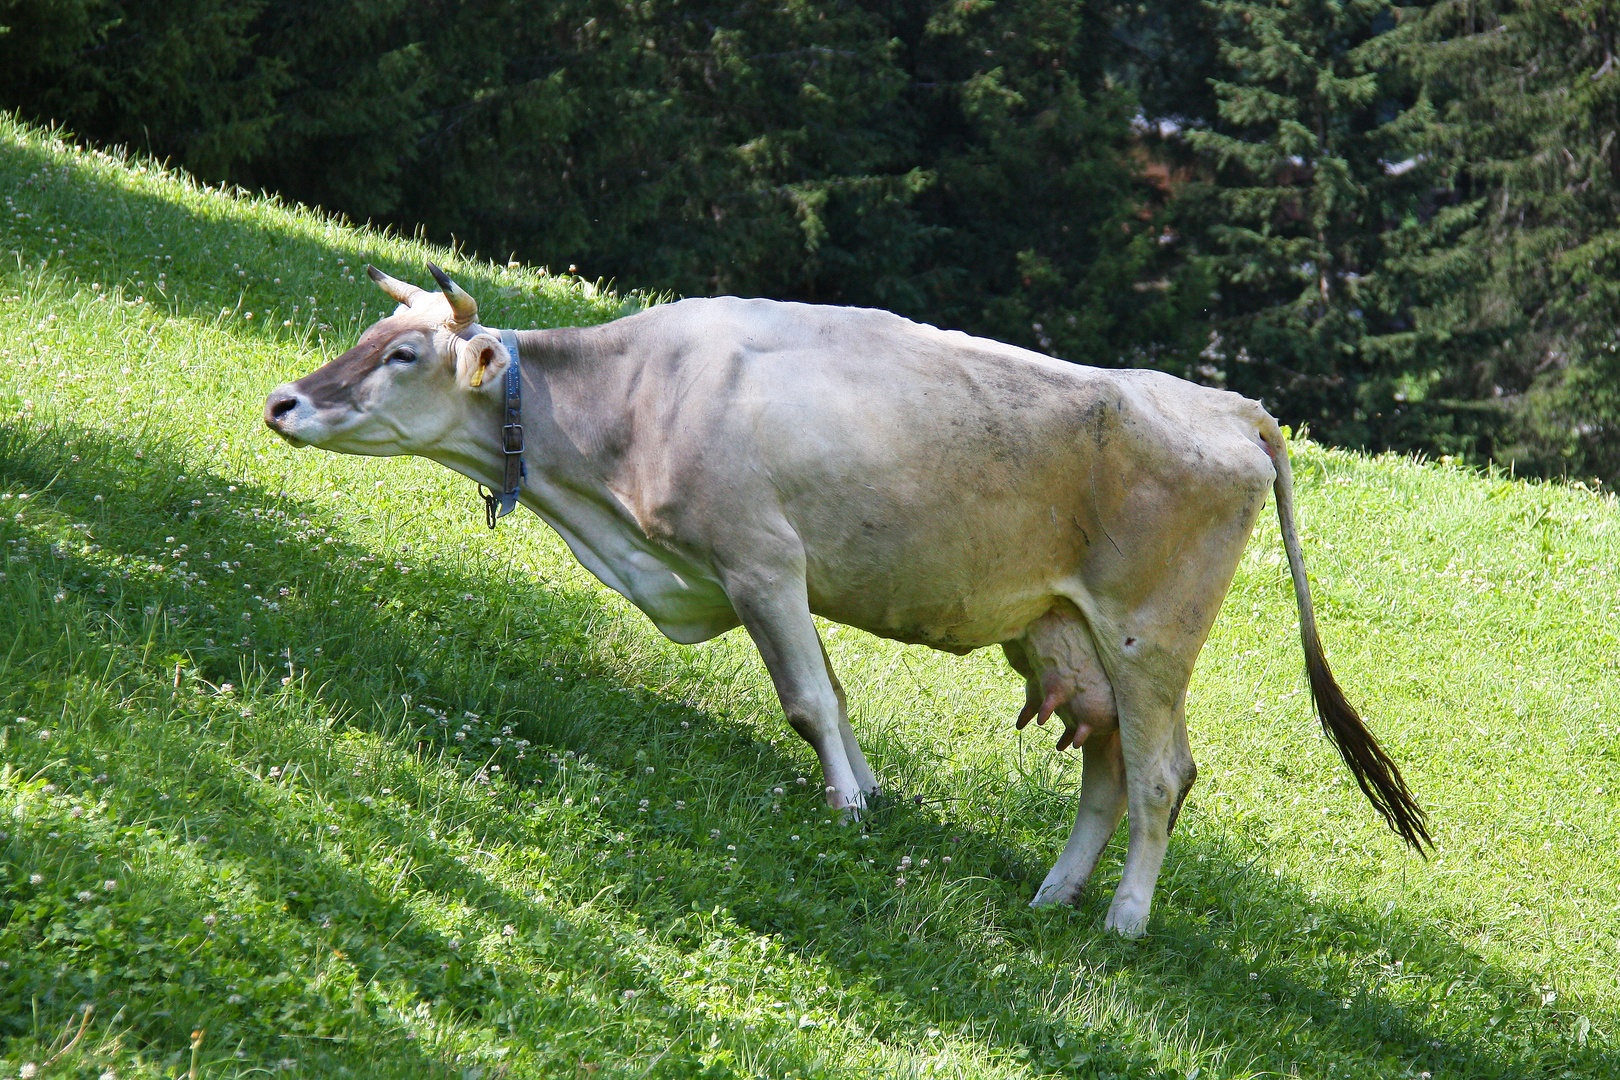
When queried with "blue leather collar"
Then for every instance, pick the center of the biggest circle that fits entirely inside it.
(498, 506)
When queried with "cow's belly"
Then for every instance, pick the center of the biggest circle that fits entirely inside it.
(957, 628)
(955, 589)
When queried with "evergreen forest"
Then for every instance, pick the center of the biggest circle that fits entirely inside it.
(1396, 224)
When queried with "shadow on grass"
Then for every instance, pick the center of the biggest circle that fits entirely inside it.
(1235, 957)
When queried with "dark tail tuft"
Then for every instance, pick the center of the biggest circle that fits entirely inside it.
(1380, 780)
(1378, 776)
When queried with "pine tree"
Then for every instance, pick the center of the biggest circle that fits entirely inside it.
(179, 79)
(1312, 221)
(1052, 235)
(1524, 113)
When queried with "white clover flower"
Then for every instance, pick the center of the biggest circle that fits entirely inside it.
(778, 791)
(235, 999)
(109, 885)
(36, 879)
(85, 896)
(44, 736)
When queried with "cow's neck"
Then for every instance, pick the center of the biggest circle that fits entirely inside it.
(577, 386)
(576, 382)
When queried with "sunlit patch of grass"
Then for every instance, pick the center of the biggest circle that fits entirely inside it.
(300, 757)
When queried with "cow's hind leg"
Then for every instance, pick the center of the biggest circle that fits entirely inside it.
(1159, 771)
(776, 612)
(1102, 804)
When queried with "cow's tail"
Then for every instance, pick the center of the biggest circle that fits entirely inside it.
(1378, 776)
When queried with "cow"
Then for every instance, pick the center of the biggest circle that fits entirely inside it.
(724, 462)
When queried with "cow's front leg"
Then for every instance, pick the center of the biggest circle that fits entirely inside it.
(852, 749)
(1102, 804)
(776, 613)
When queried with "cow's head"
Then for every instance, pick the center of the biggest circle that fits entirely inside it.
(426, 375)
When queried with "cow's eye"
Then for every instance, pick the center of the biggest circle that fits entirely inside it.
(402, 355)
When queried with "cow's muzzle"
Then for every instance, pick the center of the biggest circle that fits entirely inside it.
(279, 408)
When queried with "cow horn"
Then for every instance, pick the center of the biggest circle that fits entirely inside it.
(401, 291)
(464, 307)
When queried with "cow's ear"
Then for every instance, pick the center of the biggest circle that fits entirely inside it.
(481, 363)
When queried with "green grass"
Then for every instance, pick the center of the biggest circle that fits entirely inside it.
(395, 796)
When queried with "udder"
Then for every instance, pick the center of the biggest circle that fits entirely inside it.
(1062, 675)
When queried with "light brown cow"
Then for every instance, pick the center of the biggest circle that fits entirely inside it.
(723, 462)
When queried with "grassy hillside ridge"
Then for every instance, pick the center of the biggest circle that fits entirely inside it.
(393, 795)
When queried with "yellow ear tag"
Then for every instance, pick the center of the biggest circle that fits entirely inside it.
(476, 379)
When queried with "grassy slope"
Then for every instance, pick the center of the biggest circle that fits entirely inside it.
(392, 795)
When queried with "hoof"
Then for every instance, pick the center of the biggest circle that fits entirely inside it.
(1129, 926)
(1053, 894)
